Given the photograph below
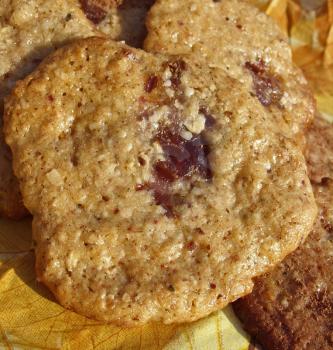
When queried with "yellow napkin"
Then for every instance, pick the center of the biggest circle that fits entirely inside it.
(29, 316)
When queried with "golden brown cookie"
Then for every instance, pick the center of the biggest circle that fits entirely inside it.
(291, 308)
(233, 36)
(29, 30)
(158, 189)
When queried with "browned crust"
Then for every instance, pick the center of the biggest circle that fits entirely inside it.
(11, 203)
(291, 308)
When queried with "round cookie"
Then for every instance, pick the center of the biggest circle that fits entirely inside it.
(29, 31)
(291, 307)
(159, 190)
(233, 36)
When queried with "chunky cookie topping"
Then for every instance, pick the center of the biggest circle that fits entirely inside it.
(178, 133)
(176, 68)
(94, 13)
(184, 157)
(268, 87)
(151, 83)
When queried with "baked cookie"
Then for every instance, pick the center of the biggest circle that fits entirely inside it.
(291, 308)
(29, 30)
(233, 36)
(120, 20)
(158, 189)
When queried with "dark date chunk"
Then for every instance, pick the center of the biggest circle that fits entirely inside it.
(268, 87)
(151, 83)
(94, 13)
(163, 197)
(183, 157)
(176, 69)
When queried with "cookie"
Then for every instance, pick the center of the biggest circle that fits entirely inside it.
(291, 308)
(234, 36)
(29, 31)
(158, 189)
(120, 20)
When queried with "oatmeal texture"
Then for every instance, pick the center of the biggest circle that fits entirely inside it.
(120, 20)
(29, 30)
(233, 36)
(97, 10)
(291, 308)
(155, 197)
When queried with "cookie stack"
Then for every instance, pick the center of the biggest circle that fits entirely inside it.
(161, 180)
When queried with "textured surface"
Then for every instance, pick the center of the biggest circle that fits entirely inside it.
(97, 10)
(29, 30)
(291, 308)
(319, 153)
(156, 195)
(27, 315)
(235, 37)
(123, 21)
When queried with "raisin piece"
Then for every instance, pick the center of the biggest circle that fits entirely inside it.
(268, 87)
(176, 68)
(165, 200)
(162, 196)
(165, 171)
(183, 157)
(151, 83)
(94, 13)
